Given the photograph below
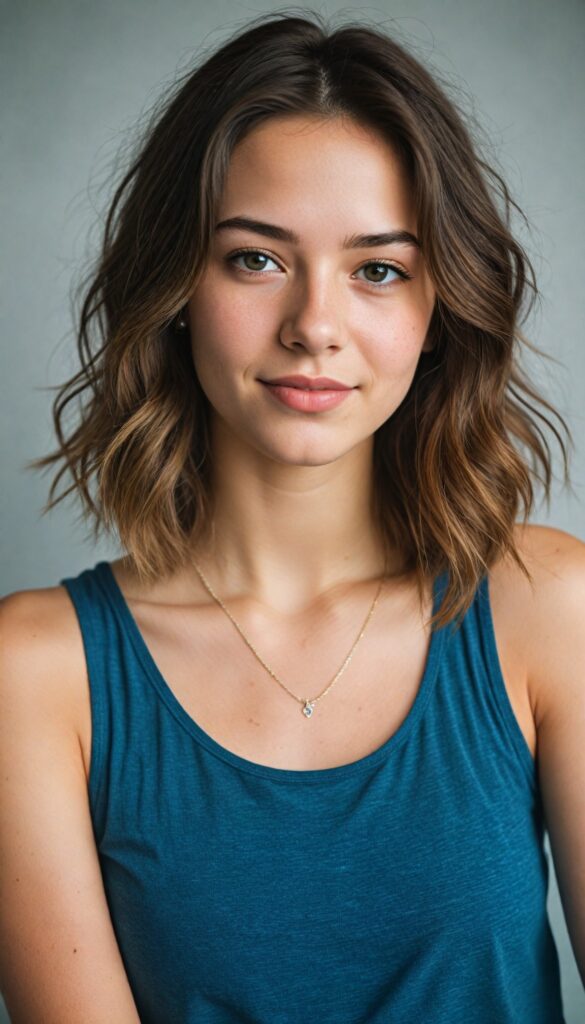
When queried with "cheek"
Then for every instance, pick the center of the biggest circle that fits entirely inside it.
(216, 341)
(395, 345)
(223, 331)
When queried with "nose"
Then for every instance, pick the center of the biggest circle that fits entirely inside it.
(313, 322)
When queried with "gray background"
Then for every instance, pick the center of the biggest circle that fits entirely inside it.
(75, 77)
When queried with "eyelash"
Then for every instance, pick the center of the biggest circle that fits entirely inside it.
(403, 274)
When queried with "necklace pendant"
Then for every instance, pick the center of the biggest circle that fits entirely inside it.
(308, 708)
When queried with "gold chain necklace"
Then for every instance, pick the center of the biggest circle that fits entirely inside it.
(308, 705)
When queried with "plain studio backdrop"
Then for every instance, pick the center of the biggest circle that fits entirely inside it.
(77, 74)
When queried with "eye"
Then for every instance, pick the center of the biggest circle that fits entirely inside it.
(248, 253)
(384, 265)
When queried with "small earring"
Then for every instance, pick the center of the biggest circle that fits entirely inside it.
(181, 322)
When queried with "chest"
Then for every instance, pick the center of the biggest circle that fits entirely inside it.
(225, 689)
(230, 694)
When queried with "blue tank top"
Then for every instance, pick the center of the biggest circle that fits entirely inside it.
(407, 886)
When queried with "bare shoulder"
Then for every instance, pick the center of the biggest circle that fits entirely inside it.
(42, 656)
(551, 616)
(554, 558)
(52, 898)
(542, 619)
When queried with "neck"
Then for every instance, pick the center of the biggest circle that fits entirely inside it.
(287, 535)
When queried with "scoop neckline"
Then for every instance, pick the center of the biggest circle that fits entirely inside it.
(310, 775)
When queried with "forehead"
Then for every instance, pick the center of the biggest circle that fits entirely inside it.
(308, 167)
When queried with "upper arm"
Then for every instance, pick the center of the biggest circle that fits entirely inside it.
(59, 959)
(556, 679)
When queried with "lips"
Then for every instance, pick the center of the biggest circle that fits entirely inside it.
(309, 383)
(312, 397)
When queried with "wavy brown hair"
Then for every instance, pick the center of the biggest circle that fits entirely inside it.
(458, 459)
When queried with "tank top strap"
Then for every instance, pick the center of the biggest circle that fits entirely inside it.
(108, 655)
(476, 693)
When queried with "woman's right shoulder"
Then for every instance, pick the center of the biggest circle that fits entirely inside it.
(42, 658)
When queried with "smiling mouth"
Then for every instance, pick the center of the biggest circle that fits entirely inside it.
(302, 399)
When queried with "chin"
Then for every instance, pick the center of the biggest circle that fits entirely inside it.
(309, 455)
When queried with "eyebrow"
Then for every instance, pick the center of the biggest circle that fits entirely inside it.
(368, 241)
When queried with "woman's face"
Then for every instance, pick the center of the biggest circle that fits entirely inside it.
(315, 304)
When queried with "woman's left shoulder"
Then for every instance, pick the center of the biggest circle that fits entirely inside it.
(547, 612)
(555, 561)
(550, 547)
(549, 615)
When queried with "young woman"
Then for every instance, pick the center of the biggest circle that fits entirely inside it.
(291, 758)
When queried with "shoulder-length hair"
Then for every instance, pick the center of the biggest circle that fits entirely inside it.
(450, 479)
